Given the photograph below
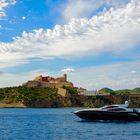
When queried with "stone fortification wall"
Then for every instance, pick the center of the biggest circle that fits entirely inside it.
(33, 84)
(47, 84)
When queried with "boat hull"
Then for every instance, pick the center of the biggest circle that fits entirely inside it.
(105, 115)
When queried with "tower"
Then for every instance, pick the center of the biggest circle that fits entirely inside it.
(65, 77)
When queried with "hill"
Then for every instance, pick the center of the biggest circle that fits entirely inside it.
(136, 90)
(105, 90)
(42, 97)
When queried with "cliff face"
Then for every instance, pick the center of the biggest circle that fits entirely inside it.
(83, 101)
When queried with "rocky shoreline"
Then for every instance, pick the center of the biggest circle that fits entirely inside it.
(75, 101)
(12, 105)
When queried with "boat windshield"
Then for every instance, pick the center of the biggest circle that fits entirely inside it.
(110, 106)
(116, 109)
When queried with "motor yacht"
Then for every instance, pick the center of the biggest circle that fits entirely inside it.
(110, 112)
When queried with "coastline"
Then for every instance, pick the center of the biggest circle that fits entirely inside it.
(12, 105)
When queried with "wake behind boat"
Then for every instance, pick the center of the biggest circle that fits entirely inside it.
(110, 112)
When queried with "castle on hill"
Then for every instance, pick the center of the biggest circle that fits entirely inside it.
(47, 81)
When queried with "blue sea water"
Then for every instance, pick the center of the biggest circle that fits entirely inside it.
(61, 124)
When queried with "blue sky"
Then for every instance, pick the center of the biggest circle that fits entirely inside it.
(38, 14)
(87, 36)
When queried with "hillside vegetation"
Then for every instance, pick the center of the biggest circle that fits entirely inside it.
(49, 97)
(122, 91)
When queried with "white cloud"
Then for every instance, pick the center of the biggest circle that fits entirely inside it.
(2, 14)
(1, 27)
(133, 72)
(84, 8)
(68, 70)
(23, 18)
(113, 31)
(12, 79)
(115, 76)
(4, 4)
(80, 8)
(8, 79)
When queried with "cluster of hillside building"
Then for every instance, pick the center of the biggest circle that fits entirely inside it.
(93, 93)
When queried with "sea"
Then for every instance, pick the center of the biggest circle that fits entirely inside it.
(61, 124)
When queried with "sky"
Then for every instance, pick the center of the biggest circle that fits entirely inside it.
(97, 43)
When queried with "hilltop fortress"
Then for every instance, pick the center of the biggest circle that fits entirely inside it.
(47, 81)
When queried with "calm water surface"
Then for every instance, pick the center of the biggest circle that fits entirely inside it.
(61, 124)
